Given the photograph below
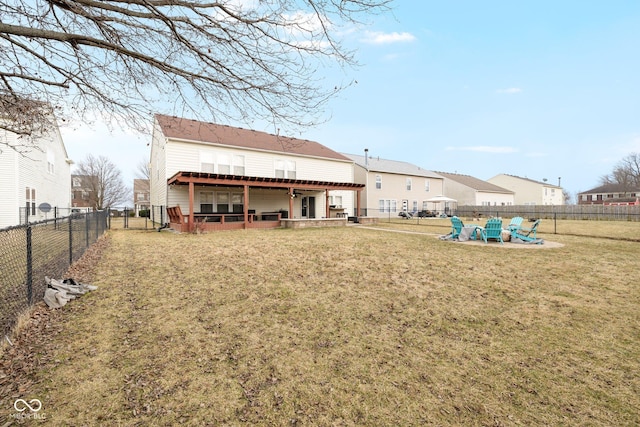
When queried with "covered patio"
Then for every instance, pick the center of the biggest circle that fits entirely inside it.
(246, 216)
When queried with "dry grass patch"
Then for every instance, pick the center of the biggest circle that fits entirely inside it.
(548, 228)
(347, 327)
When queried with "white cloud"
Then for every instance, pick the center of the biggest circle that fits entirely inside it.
(484, 149)
(374, 37)
(510, 91)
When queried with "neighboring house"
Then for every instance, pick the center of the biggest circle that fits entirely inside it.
(528, 191)
(141, 195)
(82, 192)
(609, 194)
(33, 184)
(471, 191)
(393, 186)
(215, 177)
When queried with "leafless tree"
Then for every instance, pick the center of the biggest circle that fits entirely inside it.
(106, 186)
(626, 172)
(122, 60)
(143, 170)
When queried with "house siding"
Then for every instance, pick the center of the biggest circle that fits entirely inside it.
(172, 155)
(394, 188)
(32, 171)
(529, 192)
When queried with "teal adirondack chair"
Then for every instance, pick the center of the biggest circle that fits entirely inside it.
(516, 222)
(492, 230)
(528, 234)
(456, 227)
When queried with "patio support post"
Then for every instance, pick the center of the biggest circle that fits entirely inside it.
(191, 197)
(246, 206)
(358, 197)
(291, 194)
(326, 202)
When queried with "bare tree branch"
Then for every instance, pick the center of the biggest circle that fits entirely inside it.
(127, 59)
(626, 172)
(107, 188)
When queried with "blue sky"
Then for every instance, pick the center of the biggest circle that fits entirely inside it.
(538, 89)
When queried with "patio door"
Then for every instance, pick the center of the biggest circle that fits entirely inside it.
(308, 207)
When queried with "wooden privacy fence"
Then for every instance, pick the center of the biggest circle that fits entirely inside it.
(578, 212)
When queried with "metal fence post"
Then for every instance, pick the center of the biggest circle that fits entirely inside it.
(29, 266)
(86, 227)
(70, 240)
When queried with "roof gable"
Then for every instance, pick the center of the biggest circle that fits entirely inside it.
(546, 184)
(211, 133)
(377, 164)
(475, 183)
(612, 188)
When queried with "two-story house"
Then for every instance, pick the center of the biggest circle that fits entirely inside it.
(528, 191)
(471, 191)
(82, 192)
(221, 177)
(394, 186)
(35, 183)
(610, 194)
(141, 195)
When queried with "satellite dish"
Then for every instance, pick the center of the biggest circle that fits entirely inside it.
(45, 207)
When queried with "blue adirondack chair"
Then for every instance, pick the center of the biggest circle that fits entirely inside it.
(527, 234)
(516, 222)
(456, 227)
(492, 230)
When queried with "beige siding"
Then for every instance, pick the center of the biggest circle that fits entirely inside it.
(528, 192)
(394, 190)
(186, 156)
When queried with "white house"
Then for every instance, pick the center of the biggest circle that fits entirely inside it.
(394, 186)
(220, 177)
(33, 182)
(471, 191)
(528, 191)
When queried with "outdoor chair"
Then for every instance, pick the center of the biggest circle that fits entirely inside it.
(492, 230)
(516, 222)
(527, 234)
(456, 227)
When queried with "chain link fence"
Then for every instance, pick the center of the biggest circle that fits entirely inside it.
(45, 248)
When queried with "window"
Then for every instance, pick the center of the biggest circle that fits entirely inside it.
(285, 169)
(291, 169)
(415, 206)
(378, 182)
(224, 164)
(222, 202)
(335, 201)
(206, 202)
(237, 202)
(279, 166)
(386, 205)
(409, 182)
(427, 185)
(50, 162)
(238, 165)
(30, 203)
(599, 197)
(206, 162)
(77, 182)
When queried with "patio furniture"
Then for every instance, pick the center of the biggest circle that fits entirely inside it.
(527, 234)
(492, 230)
(516, 222)
(456, 227)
